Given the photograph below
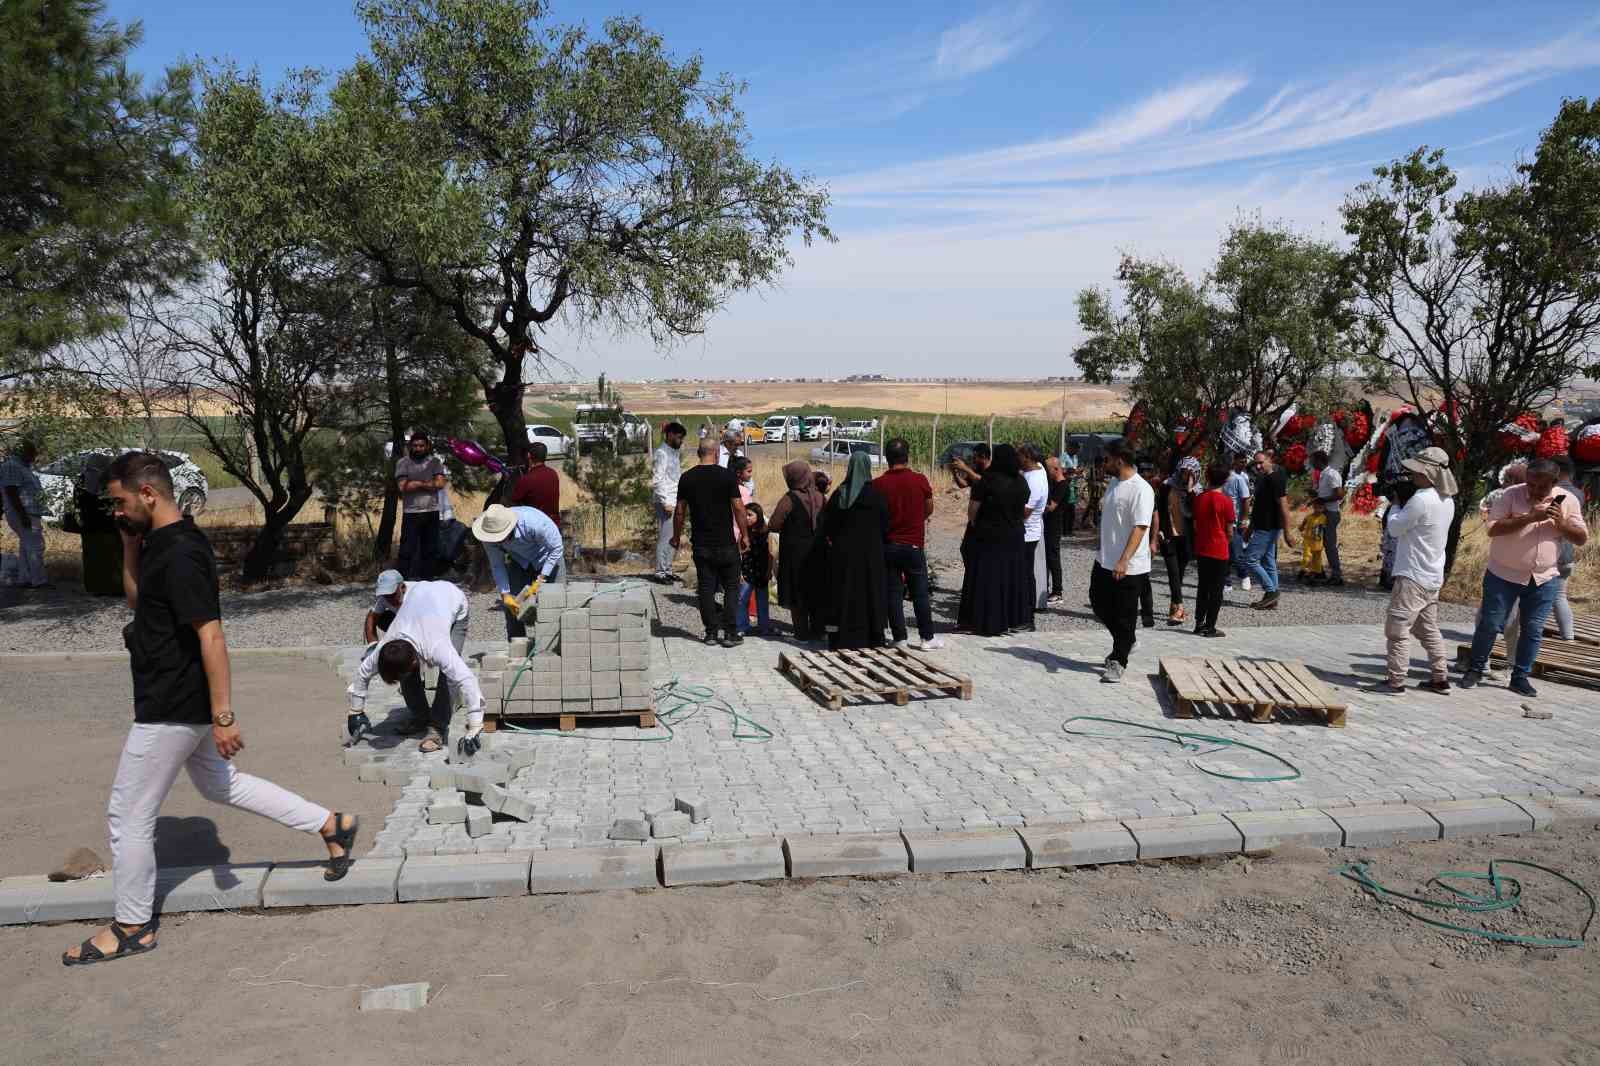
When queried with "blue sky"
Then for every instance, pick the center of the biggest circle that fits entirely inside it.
(987, 161)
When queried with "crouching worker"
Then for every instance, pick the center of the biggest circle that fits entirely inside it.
(524, 550)
(429, 629)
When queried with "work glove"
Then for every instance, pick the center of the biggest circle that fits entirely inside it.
(510, 603)
(533, 589)
(356, 726)
(468, 746)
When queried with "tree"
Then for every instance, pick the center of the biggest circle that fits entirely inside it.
(1271, 323)
(89, 169)
(1489, 300)
(514, 172)
(612, 480)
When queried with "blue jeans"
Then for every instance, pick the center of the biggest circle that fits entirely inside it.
(1261, 558)
(743, 615)
(908, 563)
(1236, 551)
(1533, 607)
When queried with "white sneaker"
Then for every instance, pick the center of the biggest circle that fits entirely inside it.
(932, 644)
(1245, 584)
(899, 644)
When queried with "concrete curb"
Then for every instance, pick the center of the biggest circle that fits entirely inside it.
(28, 900)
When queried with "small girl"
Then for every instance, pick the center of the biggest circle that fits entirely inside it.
(1311, 529)
(755, 572)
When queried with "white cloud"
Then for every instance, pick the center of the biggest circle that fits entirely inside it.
(985, 41)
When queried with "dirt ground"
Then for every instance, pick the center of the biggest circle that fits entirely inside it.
(1268, 959)
(61, 753)
(1006, 399)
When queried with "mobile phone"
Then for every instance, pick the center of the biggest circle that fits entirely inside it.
(1561, 498)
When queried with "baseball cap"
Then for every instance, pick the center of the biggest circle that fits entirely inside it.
(389, 582)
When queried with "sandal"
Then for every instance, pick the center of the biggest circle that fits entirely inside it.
(339, 865)
(431, 743)
(128, 943)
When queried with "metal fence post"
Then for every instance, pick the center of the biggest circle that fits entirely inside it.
(933, 448)
(1063, 448)
(991, 434)
(882, 425)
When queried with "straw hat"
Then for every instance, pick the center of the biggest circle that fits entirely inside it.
(1433, 464)
(495, 524)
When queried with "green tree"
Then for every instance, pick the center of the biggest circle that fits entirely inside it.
(1489, 301)
(613, 481)
(1272, 323)
(514, 172)
(89, 168)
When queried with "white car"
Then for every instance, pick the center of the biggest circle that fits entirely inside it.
(556, 443)
(816, 427)
(840, 451)
(58, 480)
(859, 428)
(779, 428)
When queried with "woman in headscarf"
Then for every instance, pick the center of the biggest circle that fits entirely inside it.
(856, 525)
(101, 544)
(992, 594)
(794, 520)
(1175, 502)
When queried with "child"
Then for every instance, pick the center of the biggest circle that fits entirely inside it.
(755, 572)
(1214, 520)
(1311, 527)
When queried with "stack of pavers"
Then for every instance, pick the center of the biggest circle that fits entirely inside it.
(591, 656)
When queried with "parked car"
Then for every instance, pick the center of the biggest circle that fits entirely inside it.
(859, 428)
(556, 443)
(961, 449)
(840, 451)
(607, 425)
(752, 431)
(58, 480)
(779, 428)
(817, 427)
(1090, 445)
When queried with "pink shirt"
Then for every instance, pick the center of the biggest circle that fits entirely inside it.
(746, 494)
(1530, 553)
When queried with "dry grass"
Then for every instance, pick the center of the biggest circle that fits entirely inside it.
(1358, 547)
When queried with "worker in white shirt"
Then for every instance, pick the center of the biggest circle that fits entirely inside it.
(429, 630)
(1421, 528)
(524, 550)
(666, 466)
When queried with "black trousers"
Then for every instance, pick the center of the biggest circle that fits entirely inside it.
(1147, 600)
(718, 568)
(1175, 553)
(1069, 513)
(908, 564)
(1052, 556)
(1211, 573)
(1116, 604)
(419, 536)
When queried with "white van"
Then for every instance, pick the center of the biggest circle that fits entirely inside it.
(816, 427)
(779, 428)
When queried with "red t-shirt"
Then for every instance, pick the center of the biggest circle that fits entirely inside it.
(908, 493)
(540, 487)
(1213, 518)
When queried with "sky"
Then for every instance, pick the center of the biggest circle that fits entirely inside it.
(986, 162)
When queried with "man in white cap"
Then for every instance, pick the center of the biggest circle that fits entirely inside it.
(1420, 528)
(429, 630)
(524, 549)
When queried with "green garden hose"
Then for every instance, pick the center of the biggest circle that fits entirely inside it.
(1180, 738)
(1504, 893)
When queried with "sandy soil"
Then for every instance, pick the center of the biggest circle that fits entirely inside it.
(1262, 960)
(1007, 399)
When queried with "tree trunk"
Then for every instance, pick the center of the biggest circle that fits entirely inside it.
(384, 541)
(505, 402)
(1471, 477)
(264, 552)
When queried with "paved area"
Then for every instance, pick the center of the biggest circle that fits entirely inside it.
(1002, 759)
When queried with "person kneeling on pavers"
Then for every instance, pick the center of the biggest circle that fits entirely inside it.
(429, 629)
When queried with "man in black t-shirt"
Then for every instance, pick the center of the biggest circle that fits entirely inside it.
(182, 711)
(708, 498)
(1057, 519)
(1269, 520)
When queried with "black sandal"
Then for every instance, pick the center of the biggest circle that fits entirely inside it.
(127, 944)
(339, 865)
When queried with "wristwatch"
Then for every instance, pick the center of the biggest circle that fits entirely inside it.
(225, 719)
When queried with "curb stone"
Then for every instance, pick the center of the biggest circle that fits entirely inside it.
(963, 850)
(846, 855)
(1078, 844)
(1382, 824)
(1478, 817)
(1187, 835)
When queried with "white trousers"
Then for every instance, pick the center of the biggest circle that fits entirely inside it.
(30, 564)
(151, 758)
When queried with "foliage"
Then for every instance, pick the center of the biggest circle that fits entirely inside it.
(1272, 323)
(512, 172)
(89, 164)
(613, 481)
(1490, 300)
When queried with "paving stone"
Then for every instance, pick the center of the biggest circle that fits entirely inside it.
(1186, 835)
(669, 824)
(630, 829)
(1536, 808)
(372, 773)
(35, 898)
(1078, 844)
(515, 806)
(480, 821)
(371, 879)
(1379, 825)
(462, 877)
(1264, 830)
(718, 862)
(396, 997)
(210, 888)
(965, 849)
(846, 855)
(696, 807)
(592, 869)
(1478, 817)
(451, 813)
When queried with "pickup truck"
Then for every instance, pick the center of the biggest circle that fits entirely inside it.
(604, 426)
(816, 427)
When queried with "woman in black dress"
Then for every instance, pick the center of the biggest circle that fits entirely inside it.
(794, 520)
(992, 596)
(856, 524)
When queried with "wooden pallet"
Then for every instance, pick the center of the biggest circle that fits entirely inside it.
(1567, 662)
(1253, 688)
(566, 723)
(1584, 630)
(892, 674)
